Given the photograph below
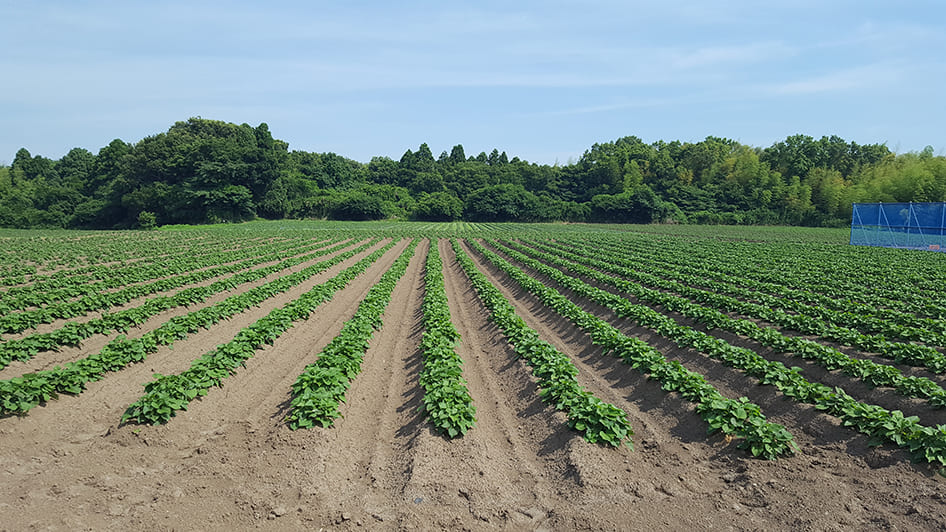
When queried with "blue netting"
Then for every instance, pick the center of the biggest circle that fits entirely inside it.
(899, 225)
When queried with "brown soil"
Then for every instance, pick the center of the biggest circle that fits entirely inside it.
(230, 462)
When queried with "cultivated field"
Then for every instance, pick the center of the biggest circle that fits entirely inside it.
(290, 375)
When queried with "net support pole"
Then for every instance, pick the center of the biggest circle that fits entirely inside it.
(853, 215)
(882, 221)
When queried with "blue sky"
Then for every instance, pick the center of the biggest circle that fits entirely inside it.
(539, 80)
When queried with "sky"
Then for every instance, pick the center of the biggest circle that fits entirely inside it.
(541, 80)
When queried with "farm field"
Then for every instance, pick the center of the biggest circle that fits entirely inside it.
(322, 375)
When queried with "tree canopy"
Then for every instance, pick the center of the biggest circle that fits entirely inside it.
(209, 171)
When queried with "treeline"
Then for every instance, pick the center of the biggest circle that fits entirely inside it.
(208, 171)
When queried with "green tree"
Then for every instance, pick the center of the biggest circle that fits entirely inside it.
(466, 177)
(231, 203)
(426, 182)
(76, 168)
(502, 203)
(21, 167)
(111, 164)
(633, 177)
(147, 220)
(827, 192)
(382, 171)
(457, 155)
(642, 206)
(422, 160)
(438, 207)
(357, 205)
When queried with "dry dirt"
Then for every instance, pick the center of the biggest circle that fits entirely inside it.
(230, 462)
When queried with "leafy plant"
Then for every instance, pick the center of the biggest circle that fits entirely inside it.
(446, 399)
(317, 392)
(168, 394)
(596, 421)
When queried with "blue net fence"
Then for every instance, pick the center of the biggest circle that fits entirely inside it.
(899, 225)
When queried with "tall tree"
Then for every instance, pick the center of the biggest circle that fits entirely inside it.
(457, 155)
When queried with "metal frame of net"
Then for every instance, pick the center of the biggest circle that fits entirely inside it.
(899, 225)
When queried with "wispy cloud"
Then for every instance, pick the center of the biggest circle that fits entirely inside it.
(608, 108)
(874, 76)
(730, 55)
(397, 66)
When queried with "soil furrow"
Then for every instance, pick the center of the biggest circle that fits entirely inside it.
(373, 443)
(744, 484)
(230, 461)
(193, 448)
(513, 464)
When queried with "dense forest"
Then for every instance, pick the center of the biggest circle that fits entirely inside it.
(208, 171)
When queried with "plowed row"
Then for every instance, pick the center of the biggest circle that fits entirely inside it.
(230, 461)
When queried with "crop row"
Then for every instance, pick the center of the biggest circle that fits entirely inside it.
(120, 273)
(831, 359)
(733, 417)
(319, 390)
(20, 321)
(805, 271)
(844, 311)
(925, 443)
(72, 333)
(20, 394)
(446, 397)
(42, 294)
(167, 394)
(26, 256)
(557, 376)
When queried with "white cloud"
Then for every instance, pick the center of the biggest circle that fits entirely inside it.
(611, 107)
(874, 76)
(343, 64)
(719, 56)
